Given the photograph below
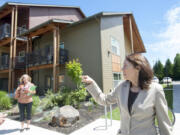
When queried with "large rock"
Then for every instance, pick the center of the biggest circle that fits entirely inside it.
(65, 116)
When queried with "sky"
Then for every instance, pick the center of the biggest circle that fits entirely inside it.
(158, 21)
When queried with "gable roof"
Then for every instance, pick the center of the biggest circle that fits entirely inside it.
(139, 45)
(7, 5)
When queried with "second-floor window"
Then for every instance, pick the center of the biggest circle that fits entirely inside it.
(115, 46)
(116, 78)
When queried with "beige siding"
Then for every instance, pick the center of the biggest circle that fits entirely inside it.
(111, 26)
(83, 42)
(39, 15)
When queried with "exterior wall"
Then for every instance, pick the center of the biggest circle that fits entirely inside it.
(43, 41)
(83, 42)
(4, 50)
(39, 15)
(38, 77)
(111, 26)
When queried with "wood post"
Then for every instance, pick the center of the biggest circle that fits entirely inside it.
(11, 52)
(131, 34)
(14, 46)
(56, 41)
(27, 52)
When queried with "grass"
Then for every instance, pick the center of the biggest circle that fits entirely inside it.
(169, 98)
(165, 86)
(116, 115)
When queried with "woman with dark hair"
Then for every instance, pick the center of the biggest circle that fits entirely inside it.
(139, 99)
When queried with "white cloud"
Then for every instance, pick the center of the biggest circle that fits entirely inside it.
(168, 43)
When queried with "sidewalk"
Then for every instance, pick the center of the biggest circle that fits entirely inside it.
(98, 128)
(176, 106)
(11, 127)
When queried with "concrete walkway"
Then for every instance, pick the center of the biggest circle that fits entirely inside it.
(176, 106)
(11, 127)
(98, 128)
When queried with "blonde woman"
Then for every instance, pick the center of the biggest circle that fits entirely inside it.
(24, 99)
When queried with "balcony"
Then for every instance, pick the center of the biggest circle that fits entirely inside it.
(45, 56)
(4, 62)
(5, 31)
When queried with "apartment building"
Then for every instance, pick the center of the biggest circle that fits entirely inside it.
(40, 39)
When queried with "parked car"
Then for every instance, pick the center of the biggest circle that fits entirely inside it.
(155, 79)
(167, 80)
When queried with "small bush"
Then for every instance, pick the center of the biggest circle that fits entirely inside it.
(49, 101)
(36, 102)
(5, 101)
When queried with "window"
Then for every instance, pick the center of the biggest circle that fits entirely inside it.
(61, 45)
(21, 56)
(22, 53)
(48, 82)
(115, 46)
(61, 79)
(116, 78)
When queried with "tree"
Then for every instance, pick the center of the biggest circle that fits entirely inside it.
(158, 70)
(168, 69)
(176, 69)
(75, 71)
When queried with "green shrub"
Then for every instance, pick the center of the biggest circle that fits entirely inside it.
(73, 97)
(36, 103)
(74, 70)
(5, 101)
(49, 101)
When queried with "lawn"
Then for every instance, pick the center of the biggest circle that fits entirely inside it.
(165, 86)
(116, 115)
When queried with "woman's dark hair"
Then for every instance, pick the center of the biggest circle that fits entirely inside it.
(145, 71)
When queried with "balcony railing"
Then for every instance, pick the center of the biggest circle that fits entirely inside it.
(45, 56)
(20, 62)
(5, 31)
(63, 57)
(4, 62)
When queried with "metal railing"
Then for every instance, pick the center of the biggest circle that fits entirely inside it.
(20, 62)
(45, 56)
(5, 30)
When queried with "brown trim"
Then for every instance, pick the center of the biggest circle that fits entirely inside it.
(5, 41)
(42, 30)
(40, 67)
(5, 12)
(4, 71)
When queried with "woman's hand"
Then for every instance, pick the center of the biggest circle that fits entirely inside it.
(86, 79)
(27, 91)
